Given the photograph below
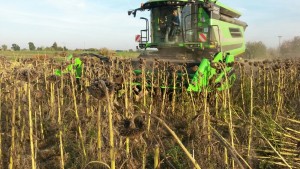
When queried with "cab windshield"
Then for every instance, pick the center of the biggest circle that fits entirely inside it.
(166, 24)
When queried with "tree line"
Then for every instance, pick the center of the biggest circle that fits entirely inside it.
(253, 49)
(32, 47)
(286, 49)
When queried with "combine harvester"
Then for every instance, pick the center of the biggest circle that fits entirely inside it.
(198, 33)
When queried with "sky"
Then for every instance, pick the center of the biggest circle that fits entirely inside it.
(105, 23)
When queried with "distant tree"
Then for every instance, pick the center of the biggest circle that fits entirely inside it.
(31, 46)
(54, 46)
(4, 47)
(59, 48)
(39, 48)
(48, 48)
(256, 49)
(290, 47)
(65, 48)
(15, 47)
(296, 44)
(91, 49)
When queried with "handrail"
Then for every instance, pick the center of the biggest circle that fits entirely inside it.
(145, 30)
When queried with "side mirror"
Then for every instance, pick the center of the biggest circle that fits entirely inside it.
(129, 12)
(133, 12)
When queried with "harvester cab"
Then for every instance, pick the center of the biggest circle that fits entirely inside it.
(205, 32)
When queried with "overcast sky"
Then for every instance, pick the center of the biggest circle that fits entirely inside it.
(105, 23)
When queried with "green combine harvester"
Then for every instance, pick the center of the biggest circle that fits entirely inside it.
(201, 33)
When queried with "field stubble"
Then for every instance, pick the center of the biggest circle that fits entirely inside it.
(104, 120)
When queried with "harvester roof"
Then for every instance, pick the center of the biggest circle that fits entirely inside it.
(223, 8)
(154, 3)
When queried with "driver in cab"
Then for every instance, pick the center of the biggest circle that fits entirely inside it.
(173, 28)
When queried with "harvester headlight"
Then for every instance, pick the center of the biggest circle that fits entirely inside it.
(213, 44)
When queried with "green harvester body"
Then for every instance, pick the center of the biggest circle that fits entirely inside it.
(208, 29)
